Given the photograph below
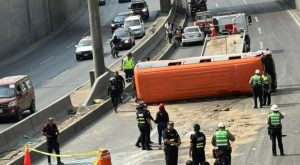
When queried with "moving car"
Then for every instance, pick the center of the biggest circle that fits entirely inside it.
(127, 38)
(192, 34)
(121, 1)
(119, 21)
(16, 96)
(140, 7)
(136, 24)
(203, 20)
(84, 49)
(101, 2)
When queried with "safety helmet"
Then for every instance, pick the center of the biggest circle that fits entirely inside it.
(257, 71)
(112, 79)
(221, 125)
(274, 108)
(196, 127)
(161, 106)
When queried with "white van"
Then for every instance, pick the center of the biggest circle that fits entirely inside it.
(136, 24)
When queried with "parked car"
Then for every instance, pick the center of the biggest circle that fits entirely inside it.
(203, 20)
(101, 2)
(136, 24)
(192, 34)
(140, 7)
(121, 1)
(84, 49)
(127, 38)
(16, 96)
(119, 21)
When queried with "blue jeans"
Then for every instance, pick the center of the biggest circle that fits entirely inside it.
(160, 128)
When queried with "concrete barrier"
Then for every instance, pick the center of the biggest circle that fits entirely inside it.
(60, 108)
(40, 118)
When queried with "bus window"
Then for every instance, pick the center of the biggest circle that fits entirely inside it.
(205, 60)
(234, 57)
(174, 63)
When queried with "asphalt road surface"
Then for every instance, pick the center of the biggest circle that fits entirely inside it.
(52, 65)
(273, 27)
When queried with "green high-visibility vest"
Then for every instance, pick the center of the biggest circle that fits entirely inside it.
(256, 80)
(266, 79)
(128, 63)
(222, 137)
(275, 119)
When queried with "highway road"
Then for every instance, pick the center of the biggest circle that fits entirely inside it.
(52, 65)
(273, 27)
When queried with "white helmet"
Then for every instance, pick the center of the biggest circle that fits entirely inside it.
(274, 108)
(257, 71)
(221, 125)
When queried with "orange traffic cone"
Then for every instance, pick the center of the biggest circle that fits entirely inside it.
(104, 158)
(234, 29)
(27, 160)
(213, 30)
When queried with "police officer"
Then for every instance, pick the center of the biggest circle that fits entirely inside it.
(221, 139)
(197, 145)
(128, 66)
(256, 83)
(112, 90)
(120, 84)
(275, 129)
(50, 131)
(171, 141)
(143, 126)
(267, 81)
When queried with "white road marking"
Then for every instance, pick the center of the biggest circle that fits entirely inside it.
(61, 74)
(294, 17)
(259, 31)
(245, 2)
(261, 45)
(256, 19)
(73, 43)
(48, 59)
(217, 5)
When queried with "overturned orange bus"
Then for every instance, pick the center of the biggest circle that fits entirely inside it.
(197, 77)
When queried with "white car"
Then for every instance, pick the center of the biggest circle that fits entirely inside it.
(136, 24)
(192, 34)
(84, 49)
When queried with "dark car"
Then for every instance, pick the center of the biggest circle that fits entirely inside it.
(119, 21)
(140, 7)
(101, 2)
(16, 96)
(121, 1)
(127, 37)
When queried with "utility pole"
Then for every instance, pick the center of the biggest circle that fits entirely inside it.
(95, 28)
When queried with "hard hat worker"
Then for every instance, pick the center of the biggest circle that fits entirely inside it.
(197, 145)
(221, 139)
(256, 84)
(50, 131)
(128, 66)
(267, 81)
(171, 142)
(275, 129)
(144, 126)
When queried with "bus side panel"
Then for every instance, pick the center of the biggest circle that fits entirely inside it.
(195, 80)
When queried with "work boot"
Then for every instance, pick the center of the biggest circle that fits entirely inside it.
(282, 154)
(60, 163)
(148, 149)
(143, 148)
(138, 145)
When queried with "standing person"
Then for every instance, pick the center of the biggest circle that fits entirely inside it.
(221, 139)
(275, 129)
(267, 81)
(256, 83)
(162, 119)
(171, 141)
(128, 66)
(120, 85)
(197, 145)
(50, 131)
(169, 31)
(113, 91)
(249, 19)
(143, 125)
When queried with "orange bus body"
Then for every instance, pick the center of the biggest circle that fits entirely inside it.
(179, 82)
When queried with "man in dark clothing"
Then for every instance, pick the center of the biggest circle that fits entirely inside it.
(143, 126)
(50, 131)
(221, 158)
(149, 127)
(171, 141)
(162, 119)
(115, 42)
(112, 90)
(275, 129)
(120, 85)
(197, 145)
(256, 84)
